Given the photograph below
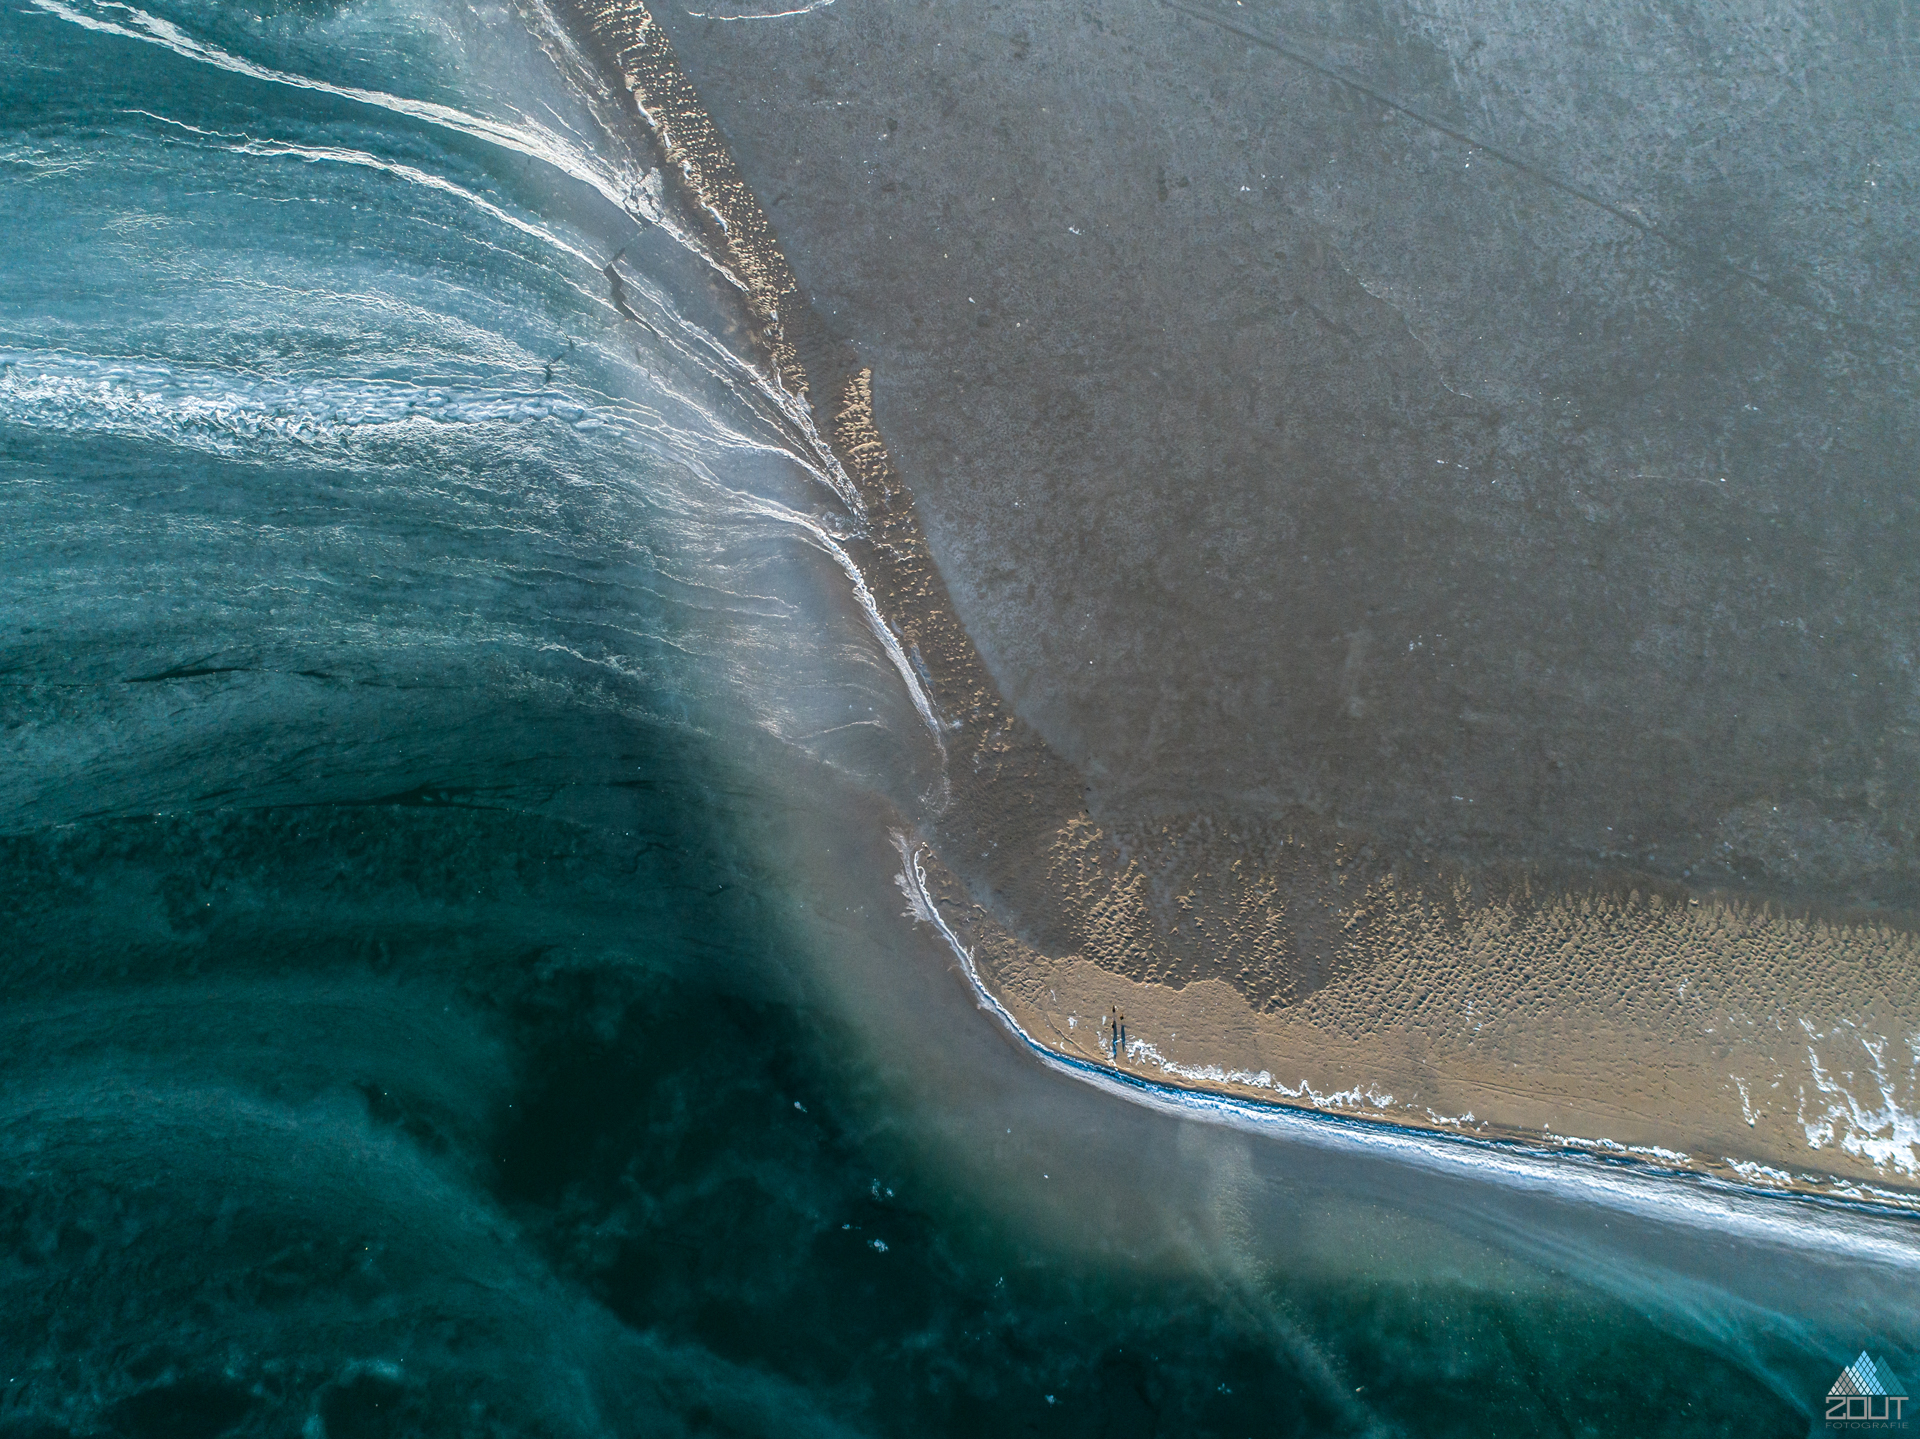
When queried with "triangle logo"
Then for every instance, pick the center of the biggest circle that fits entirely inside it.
(1865, 1377)
(1866, 1393)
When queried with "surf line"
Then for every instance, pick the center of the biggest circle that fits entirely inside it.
(813, 372)
(1623, 1184)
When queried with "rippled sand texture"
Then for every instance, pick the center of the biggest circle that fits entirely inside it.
(1497, 977)
(1712, 1033)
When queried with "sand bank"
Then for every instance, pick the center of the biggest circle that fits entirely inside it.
(1304, 957)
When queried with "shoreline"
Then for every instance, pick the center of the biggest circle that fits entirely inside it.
(1546, 1164)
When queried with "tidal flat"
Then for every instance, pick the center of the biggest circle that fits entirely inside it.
(1417, 724)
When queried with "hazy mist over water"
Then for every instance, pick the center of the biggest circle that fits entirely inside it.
(455, 975)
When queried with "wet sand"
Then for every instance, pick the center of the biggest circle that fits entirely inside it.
(1305, 870)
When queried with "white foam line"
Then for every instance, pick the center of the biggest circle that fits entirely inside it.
(807, 9)
(637, 198)
(818, 458)
(698, 346)
(822, 537)
(1790, 1221)
(247, 145)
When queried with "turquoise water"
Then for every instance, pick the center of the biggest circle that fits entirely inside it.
(455, 980)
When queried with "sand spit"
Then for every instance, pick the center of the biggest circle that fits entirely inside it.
(1631, 1027)
(1305, 964)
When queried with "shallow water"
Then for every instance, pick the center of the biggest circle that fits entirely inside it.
(456, 980)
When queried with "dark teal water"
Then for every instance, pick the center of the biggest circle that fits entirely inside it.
(440, 1117)
(450, 972)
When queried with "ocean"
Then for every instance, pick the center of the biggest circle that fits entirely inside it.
(463, 971)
